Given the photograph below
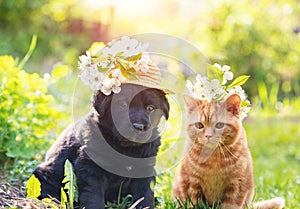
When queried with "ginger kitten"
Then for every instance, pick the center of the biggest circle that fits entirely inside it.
(218, 164)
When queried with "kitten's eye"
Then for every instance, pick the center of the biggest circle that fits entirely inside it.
(150, 108)
(199, 125)
(220, 125)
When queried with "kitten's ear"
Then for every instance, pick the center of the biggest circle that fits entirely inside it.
(190, 102)
(233, 104)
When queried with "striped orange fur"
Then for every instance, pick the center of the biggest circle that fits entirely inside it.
(217, 165)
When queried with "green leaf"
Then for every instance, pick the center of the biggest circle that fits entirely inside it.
(134, 57)
(63, 199)
(131, 69)
(245, 104)
(128, 73)
(119, 54)
(33, 187)
(70, 183)
(98, 58)
(239, 81)
(123, 64)
(103, 69)
(214, 73)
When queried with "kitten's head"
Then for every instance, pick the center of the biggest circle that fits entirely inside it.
(217, 121)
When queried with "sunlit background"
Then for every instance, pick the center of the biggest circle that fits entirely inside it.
(260, 38)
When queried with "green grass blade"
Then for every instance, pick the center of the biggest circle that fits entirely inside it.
(273, 95)
(29, 53)
(263, 94)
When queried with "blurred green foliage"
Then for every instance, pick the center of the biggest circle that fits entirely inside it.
(28, 117)
(53, 22)
(22, 169)
(255, 38)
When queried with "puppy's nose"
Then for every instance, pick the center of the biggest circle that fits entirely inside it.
(139, 126)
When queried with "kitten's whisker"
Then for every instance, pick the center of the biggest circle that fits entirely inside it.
(229, 151)
(227, 156)
(221, 151)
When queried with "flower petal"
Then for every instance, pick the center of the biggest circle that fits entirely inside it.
(105, 91)
(116, 89)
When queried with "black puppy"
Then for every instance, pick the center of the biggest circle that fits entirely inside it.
(114, 146)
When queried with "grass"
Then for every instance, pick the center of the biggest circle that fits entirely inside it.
(274, 143)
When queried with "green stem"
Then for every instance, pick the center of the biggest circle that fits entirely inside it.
(29, 53)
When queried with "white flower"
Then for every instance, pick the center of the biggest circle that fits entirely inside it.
(115, 48)
(240, 91)
(85, 60)
(204, 89)
(216, 87)
(142, 64)
(91, 76)
(89, 71)
(200, 89)
(111, 83)
(133, 47)
(213, 90)
(237, 90)
(126, 45)
(218, 66)
(227, 74)
(200, 92)
(104, 64)
(116, 73)
(245, 111)
(107, 59)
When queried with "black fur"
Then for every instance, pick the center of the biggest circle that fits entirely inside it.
(96, 185)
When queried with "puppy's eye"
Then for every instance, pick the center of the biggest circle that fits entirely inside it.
(123, 105)
(220, 125)
(199, 125)
(150, 108)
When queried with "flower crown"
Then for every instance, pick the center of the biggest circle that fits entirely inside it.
(105, 67)
(214, 87)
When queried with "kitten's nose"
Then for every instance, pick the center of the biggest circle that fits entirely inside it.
(208, 133)
(208, 136)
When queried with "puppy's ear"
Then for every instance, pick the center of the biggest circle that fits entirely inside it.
(100, 102)
(165, 105)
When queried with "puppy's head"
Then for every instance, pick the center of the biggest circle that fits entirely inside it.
(134, 113)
